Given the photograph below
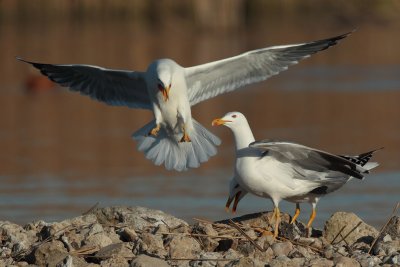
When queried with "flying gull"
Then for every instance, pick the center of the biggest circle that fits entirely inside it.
(170, 90)
(285, 170)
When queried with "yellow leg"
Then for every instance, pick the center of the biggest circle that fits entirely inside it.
(185, 137)
(296, 214)
(312, 217)
(277, 220)
(154, 131)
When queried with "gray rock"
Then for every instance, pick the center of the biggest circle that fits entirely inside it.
(207, 259)
(340, 251)
(95, 228)
(352, 233)
(182, 228)
(393, 228)
(387, 238)
(245, 262)
(16, 237)
(387, 248)
(136, 217)
(6, 262)
(232, 254)
(84, 224)
(183, 247)
(98, 240)
(72, 261)
(282, 249)
(345, 262)
(280, 261)
(298, 261)
(292, 231)
(394, 259)
(111, 233)
(311, 241)
(50, 253)
(250, 233)
(128, 234)
(246, 248)
(123, 250)
(318, 262)
(361, 246)
(160, 229)
(264, 256)
(368, 261)
(283, 261)
(147, 261)
(301, 252)
(35, 226)
(115, 261)
(208, 243)
(329, 251)
(151, 245)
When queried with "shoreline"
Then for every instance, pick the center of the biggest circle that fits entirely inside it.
(137, 236)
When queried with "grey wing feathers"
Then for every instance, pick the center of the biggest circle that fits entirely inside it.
(214, 78)
(311, 159)
(114, 87)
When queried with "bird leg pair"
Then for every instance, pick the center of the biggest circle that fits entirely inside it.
(277, 215)
(155, 130)
(297, 213)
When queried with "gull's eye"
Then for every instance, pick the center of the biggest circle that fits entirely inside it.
(160, 87)
(234, 116)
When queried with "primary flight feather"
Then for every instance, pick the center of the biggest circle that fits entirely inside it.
(174, 138)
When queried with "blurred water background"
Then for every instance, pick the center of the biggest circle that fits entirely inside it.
(60, 152)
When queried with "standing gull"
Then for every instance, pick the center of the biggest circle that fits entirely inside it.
(284, 170)
(170, 90)
(236, 192)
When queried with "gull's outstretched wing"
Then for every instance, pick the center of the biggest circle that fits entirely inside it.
(114, 87)
(215, 78)
(310, 159)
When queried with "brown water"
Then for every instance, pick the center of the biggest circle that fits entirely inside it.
(60, 152)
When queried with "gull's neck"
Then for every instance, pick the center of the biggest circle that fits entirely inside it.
(243, 135)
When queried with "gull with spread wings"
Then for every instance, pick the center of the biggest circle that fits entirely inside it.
(170, 90)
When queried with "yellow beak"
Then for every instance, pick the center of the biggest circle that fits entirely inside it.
(165, 92)
(218, 122)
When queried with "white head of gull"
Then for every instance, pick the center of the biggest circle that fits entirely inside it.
(285, 170)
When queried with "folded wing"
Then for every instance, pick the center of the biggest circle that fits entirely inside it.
(114, 87)
(310, 159)
(215, 78)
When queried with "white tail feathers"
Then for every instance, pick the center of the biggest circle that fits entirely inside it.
(370, 165)
(178, 156)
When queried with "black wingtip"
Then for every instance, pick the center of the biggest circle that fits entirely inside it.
(23, 60)
(336, 39)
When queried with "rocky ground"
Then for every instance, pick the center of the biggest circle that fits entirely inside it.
(135, 236)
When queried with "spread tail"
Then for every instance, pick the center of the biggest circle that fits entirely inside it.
(178, 156)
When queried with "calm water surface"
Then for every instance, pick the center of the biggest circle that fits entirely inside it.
(61, 153)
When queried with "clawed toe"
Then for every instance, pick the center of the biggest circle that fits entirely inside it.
(154, 131)
(185, 138)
